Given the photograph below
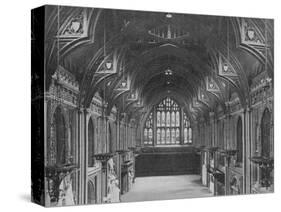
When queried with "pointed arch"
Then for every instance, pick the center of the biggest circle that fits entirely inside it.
(167, 124)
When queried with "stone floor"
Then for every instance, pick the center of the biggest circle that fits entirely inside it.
(166, 187)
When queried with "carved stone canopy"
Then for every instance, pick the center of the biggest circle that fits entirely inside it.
(229, 152)
(55, 174)
(213, 149)
(104, 157)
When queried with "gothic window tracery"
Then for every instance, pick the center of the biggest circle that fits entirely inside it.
(148, 130)
(169, 125)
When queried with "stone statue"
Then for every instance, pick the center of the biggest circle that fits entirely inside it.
(66, 194)
(113, 191)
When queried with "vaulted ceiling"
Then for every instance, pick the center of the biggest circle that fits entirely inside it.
(133, 59)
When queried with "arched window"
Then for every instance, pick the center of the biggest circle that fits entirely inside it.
(169, 123)
(148, 130)
(187, 131)
(265, 134)
(239, 141)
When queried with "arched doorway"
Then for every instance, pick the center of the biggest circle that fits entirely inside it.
(91, 142)
(60, 135)
(239, 141)
(92, 192)
(265, 134)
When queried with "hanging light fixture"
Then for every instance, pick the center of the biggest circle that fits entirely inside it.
(225, 65)
(169, 15)
(267, 79)
(108, 62)
(168, 72)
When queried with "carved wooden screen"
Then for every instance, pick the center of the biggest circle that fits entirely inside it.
(168, 125)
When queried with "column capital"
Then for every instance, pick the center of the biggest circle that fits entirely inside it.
(228, 115)
(212, 114)
(248, 109)
(80, 109)
(87, 110)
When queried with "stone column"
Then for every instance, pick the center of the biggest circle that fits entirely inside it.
(104, 180)
(154, 127)
(247, 150)
(228, 131)
(182, 126)
(212, 128)
(118, 147)
(80, 155)
(85, 158)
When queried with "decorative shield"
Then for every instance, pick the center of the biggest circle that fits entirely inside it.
(251, 33)
(225, 67)
(123, 83)
(75, 26)
(108, 64)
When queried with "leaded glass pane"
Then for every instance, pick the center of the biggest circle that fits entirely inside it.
(168, 137)
(145, 136)
(163, 136)
(158, 136)
(150, 135)
(177, 136)
(163, 122)
(168, 124)
(177, 118)
(185, 135)
(168, 119)
(173, 119)
(173, 136)
(158, 119)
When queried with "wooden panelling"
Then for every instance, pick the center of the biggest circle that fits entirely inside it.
(167, 162)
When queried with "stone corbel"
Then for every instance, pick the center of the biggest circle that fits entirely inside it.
(104, 158)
